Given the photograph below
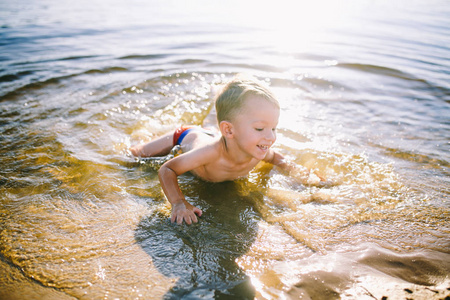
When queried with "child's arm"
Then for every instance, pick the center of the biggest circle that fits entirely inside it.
(168, 177)
(138, 150)
(293, 169)
(181, 209)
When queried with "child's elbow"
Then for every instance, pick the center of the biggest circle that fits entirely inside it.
(162, 171)
(165, 172)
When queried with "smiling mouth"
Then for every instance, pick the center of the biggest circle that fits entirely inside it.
(264, 148)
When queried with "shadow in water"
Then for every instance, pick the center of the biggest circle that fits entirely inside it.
(202, 256)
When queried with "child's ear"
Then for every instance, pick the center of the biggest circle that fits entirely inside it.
(226, 128)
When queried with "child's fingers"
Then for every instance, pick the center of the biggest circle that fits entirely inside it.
(193, 218)
(187, 219)
(198, 211)
(188, 216)
(180, 220)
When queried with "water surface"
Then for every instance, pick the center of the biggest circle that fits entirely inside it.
(364, 92)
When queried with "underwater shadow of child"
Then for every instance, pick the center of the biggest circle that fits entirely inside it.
(202, 256)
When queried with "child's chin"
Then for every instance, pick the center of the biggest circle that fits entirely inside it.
(261, 154)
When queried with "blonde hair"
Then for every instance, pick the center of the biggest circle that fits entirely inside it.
(231, 99)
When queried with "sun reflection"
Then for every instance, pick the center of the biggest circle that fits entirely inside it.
(292, 25)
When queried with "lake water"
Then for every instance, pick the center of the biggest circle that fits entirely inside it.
(364, 88)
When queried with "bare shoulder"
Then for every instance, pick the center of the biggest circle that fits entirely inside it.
(194, 159)
(205, 153)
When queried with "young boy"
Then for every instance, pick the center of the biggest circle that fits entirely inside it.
(247, 115)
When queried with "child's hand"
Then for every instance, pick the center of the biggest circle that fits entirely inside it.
(137, 150)
(306, 176)
(185, 211)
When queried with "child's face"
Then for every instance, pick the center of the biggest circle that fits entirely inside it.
(255, 127)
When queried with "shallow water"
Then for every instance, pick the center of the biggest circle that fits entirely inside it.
(365, 94)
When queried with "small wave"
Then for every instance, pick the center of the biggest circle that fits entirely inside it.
(77, 57)
(13, 77)
(144, 57)
(293, 135)
(49, 81)
(321, 82)
(239, 67)
(51, 60)
(106, 70)
(33, 86)
(190, 61)
(415, 157)
(380, 70)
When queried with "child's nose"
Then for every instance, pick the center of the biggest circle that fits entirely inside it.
(271, 135)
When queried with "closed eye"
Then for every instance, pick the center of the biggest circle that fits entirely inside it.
(259, 129)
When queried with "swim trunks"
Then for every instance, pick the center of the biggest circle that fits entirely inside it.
(182, 131)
